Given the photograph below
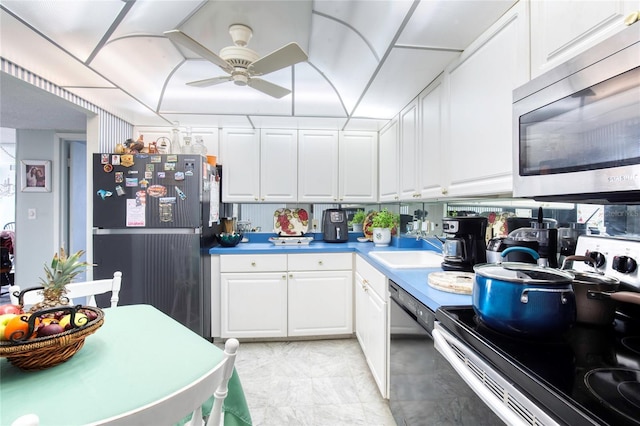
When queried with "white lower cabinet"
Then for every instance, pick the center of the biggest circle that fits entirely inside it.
(320, 303)
(372, 325)
(253, 304)
(286, 295)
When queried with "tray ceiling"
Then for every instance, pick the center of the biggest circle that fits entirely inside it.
(367, 59)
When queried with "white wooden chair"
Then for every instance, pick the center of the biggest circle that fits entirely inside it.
(76, 290)
(175, 407)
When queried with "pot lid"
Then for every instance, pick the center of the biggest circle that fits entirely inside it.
(524, 273)
(583, 277)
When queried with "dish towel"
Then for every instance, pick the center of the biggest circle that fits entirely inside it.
(214, 203)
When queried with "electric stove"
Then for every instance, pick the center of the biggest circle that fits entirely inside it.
(588, 376)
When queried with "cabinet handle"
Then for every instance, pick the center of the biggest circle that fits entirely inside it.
(444, 190)
(319, 262)
(290, 275)
(253, 263)
(255, 198)
(284, 277)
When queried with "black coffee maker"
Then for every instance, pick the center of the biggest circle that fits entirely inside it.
(464, 245)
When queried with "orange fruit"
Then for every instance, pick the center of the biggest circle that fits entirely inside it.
(20, 326)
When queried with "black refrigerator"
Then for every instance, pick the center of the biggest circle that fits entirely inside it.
(152, 221)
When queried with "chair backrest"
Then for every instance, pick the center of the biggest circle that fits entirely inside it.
(175, 407)
(86, 289)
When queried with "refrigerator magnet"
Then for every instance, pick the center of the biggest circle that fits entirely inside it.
(119, 191)
(161, 175)
(169, 166)
(155, 159)
(181, 194)
(178, 176)
(149, 167)
(157, 191)
(131, 182)
(189, 167)
(144, 183)
(172, 158)
(108, 168)
(115, 160)
(119, 177)
(104, 158)
(141, 198)
(104, 193)
(148, 175)
(126, 160)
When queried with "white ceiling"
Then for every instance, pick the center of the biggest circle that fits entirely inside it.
(367, 59)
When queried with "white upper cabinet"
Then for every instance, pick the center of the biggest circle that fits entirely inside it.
(409, 128)
(240, 159)
(388, 162)
(337, 166)
(318, 166)
(430, 152)
(259, 166)
(358, 175)
(278, 165)
(480, 84)
(562, 29)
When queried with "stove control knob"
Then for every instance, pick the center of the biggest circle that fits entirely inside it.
(598, 258)
(624, 264)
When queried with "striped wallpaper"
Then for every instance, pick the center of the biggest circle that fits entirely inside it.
(113, 129)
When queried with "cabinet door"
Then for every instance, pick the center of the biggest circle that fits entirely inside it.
(318, 166)
(358, 159)
(361, 302)
(408, 142)
(240, 159)
(432, 183)
(279, 165)
(377, 344)
(480, 108)
(320, 303)
(562, 29)
(388, 162)
(253, 304)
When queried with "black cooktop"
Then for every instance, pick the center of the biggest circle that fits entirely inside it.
(590, 375)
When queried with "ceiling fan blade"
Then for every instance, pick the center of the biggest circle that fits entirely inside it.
(269, 88)
(186, 41)
(281, 58)
(210, 81)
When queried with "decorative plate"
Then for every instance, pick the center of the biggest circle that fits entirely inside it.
(290, 222)
(367, 229)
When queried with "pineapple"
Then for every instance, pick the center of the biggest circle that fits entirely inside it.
(62, 270)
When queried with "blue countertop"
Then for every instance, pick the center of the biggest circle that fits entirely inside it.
(414, 281)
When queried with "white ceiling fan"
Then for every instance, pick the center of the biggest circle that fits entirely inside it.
(242, 63)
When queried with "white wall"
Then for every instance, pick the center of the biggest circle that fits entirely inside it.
(35, 238)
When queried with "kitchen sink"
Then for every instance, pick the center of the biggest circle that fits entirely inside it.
(408, 259)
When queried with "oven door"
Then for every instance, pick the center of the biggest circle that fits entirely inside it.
(424, 389)
(508, 403)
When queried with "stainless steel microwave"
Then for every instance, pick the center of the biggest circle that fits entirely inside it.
(577, 127)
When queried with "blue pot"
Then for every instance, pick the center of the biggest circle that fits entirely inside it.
(524, 299)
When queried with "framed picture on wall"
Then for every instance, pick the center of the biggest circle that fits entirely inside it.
(36, 175)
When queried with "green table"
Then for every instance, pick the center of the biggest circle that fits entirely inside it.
(139, 355)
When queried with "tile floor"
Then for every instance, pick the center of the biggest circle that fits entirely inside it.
(315, 383)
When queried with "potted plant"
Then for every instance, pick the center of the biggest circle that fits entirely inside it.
(382, 225)
(357, 220)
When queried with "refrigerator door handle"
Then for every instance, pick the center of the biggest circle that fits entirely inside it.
(146, 231)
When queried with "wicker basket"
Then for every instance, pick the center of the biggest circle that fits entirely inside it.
(44, 352)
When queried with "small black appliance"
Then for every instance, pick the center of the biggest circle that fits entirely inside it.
(334, 226)
(464, 245)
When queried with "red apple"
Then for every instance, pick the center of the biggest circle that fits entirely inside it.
(10, 309)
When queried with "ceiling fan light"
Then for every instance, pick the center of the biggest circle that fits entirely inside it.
(240, 34)
(240, 79)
